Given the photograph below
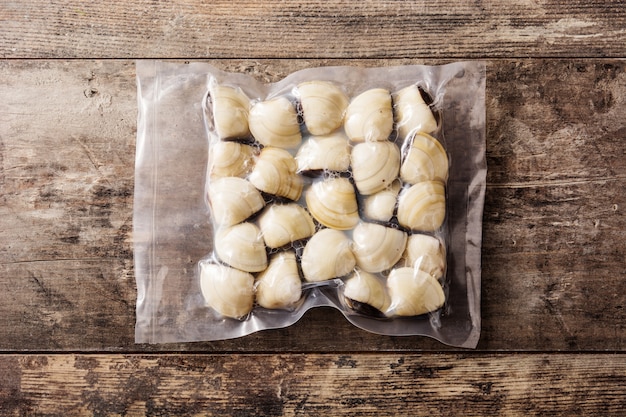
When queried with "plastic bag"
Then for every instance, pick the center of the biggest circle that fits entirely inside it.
(201, 241)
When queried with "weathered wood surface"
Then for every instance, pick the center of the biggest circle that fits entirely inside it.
(312, 385)
(301, 29)
(554, 231)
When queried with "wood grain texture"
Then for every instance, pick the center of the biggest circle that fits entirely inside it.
(312, 29)
(312, 385)
(554, 232)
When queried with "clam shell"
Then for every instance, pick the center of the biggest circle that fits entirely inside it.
(426, 160)
(381, 205)
(275, 173)
(375, 165)
(368, 289)
(275, 123)
(279, 285)
(413, 292)
(329, 152)
(323, 106)
(233, 200)
(376, 247)
(241, 246)
(426, 253)
(228, 291)
(412, 112)
(369, 116)
(230, 108)
(231, 159)
(327, 255)
(422, 207)
(284, 223)
(333, 203)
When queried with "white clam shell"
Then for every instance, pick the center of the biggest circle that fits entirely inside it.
(329, 152)
(275, 123)
(323, 106)
(412, 112)
(368, 289)
(284, 223)
(275, 172)
(422, 207)
(413, 292)
(228, 291)
(426, 160)
(381, 205)
(279, 286)
(377, 247)
(369, 116)
(230, 107)
(327, 255)
(233, 200)
(375, 165)
(333, 203)
(231, 159)
(426, 253)
(241, 246)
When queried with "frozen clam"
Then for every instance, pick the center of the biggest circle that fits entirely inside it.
(426, 253)
(422, 207)
(327, 255)
(275, 123)
(323, 106)
(426, 160)
(230, 108)
(413, 292)
(231, 159)
(381, 205)
(332, 202)
(329, 152)
(284, 223)
(369, 116)
(363, 289)
(374, 165)
(233, 200)
(228, 291)
(376, 247)
(412, 113)
(241, 246)
(275, 173)
(279, 285)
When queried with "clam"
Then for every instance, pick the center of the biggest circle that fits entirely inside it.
(231, 159)
(426, 253)
(279, 285)
(241, 246)
(327, 255)
(233, 200)
(228, 291)
(374, 165)
(275, 123)
(376, 247)
(426, 160)
(284, 223)
(230, 108)
(413, 292)
(412, 112)
(275, 173)
(422, 207)
(369, 116)
(363, 289)
(323, 106)
(381, 205)
(332, 202)
(329, 152)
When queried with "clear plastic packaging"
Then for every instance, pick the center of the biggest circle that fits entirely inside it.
(356, 188)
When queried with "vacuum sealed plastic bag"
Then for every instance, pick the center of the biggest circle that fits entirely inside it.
(356, 188)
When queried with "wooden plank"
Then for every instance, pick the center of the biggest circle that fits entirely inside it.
(554, 233)
(316, 384)
(309, 29)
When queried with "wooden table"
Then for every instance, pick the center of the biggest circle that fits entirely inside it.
(554, 268)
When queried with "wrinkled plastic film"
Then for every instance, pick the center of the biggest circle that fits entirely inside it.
(178, 141)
